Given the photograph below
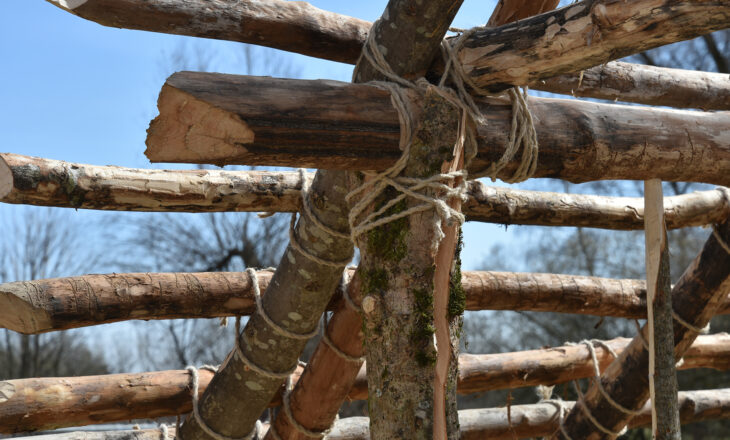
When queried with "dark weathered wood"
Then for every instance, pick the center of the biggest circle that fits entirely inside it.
(327, 124)
(46, 182)
(48, 403)
(287, 26)
(695, 298)
(40, 306)
(293, 26)
(643, 84)
(663, 386)
(583, 35)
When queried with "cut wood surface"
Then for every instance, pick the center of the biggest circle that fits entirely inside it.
(332, 125)
(293, 26)
(60, 303)
(525, 421)
(47, 182)
(299, 27)
(48, 403)
(644, 84)
(695, 298)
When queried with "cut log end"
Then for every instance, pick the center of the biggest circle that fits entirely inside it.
(17, 312)
(68, 5)
(6, 179)
(186, 123)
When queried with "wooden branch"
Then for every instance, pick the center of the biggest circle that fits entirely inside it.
(527, 421)
(583, 35)
(288, 26)
(40, 306)
(663, 386)
(508, 11)
(695, 298)
(128, 189)
(48, 403)
(293, 26)
(45, 182)
(650, 85)
(333, 125)
(541, 419)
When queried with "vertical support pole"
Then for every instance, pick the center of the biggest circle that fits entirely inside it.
(662, 371)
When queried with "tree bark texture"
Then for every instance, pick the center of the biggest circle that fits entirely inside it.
(650, 85)
(583, 35)
(695, 298)
(333, 125)
(525, 421)
(43, 182)
(39, 306)
(508, 11)
(297, 295)
(293, 27)
(48, 403)
(663, 386)
(46, 182)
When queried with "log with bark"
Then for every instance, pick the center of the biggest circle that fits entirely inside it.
(48, 403)
(525, 421)
(46, 182)
(288, 26)
(333, 125)
(40, 306)
(650, 85)
(695, 298)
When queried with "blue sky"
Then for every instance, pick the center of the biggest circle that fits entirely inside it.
(77, 91)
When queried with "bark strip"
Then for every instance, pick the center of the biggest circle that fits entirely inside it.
(288, 26)
(47, 403)
(695, 298)
(39, 306)
(642, 84)
(47, 182)
(333, 125)
(527, 421)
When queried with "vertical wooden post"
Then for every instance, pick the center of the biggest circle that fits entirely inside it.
(662, 372)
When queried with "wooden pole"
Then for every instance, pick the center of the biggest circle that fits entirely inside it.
(288, 26)
(48, 403)
(128, 189)
(333, 125)
(694, 298)
(663, 386)
(39, 306)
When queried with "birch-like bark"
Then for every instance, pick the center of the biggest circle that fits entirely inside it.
(333, 125)
(695, 298)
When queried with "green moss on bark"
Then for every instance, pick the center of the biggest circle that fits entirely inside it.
(457, 295)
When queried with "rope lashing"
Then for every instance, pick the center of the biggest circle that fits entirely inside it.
(337, 350)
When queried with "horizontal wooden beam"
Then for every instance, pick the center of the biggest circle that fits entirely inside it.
(302, 28)
(40, 306)
(525, 421)
(45, 182)
(50, 403)
(292, 26)
(334, 125)
(644, 84)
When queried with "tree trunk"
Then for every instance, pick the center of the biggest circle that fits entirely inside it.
(333, 125)
(695, 298)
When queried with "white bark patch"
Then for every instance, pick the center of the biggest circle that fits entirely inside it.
(294, 316)
(69, 4)
(255, 386)
(6, 179)
(7, 390)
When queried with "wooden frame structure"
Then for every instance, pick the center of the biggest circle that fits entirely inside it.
(402, 307)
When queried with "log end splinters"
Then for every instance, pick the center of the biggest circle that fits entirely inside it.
(6, 179)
